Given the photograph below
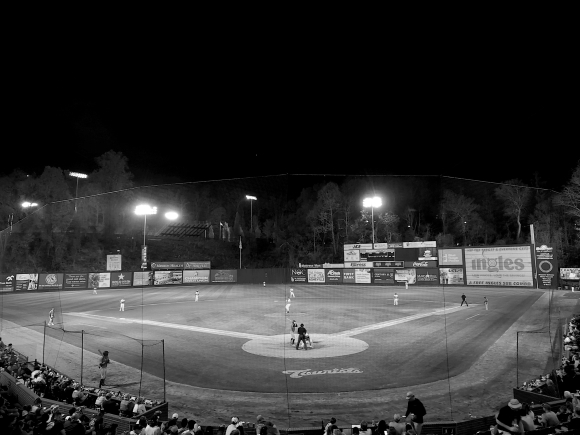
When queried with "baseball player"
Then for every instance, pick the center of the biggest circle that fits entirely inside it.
(463, 300)
(196, 295)
(293, 331)
(485, 302)
(395, 299)
(122, 306)
(292, 293)
(105, 361)
(288, 306)
(94, 290)
(51, 317)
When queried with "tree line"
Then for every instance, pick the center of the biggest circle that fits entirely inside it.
(295, 219)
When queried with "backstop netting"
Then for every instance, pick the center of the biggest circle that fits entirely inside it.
(197, 309)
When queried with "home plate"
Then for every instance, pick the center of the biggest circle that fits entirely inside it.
(324, 346)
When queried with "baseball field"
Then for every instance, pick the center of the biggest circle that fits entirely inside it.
(230, 353)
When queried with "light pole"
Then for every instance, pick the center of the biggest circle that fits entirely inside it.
(144, 210)
(77, 175)
(251, 198)
(373, 202)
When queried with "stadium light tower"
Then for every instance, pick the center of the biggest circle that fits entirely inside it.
(77, 175)
(372, 203)
(252, 199)
(144, 210)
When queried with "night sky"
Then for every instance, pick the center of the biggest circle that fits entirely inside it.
(186, 128)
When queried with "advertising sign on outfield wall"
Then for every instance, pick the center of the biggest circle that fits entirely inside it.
(52, 281)
(399, 264)
(297, 275)
(7, 281)
(427, 276)
(167, 277)
(26, 281)
(565, 273)
(121, 279)
(362, 276)
(497, 265)
(76, 280)
(167, 265)
(224, 275)
(428, 254)
(378, 254)
(333, 275)
(316, 275)
(383, 276)
(348, 276)
(358, 246)
(101, 280)
(142, 278)
(546, 267)
(195, 276)
(408, 275)
(421, 264)
(450, 257)
(197, 265)
(352, 255)
(449, 275)
(359, 264)
(427, 244)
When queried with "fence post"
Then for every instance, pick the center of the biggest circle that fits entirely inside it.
(82, 352)
(163, 343)
(43, 342)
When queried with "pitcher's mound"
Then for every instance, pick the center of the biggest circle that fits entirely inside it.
(324, 346)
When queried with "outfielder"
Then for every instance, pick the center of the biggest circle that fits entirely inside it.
(122, 306)
(292, 293)
(288, 306)
(396, 299)
(196, 295)
(51, 317)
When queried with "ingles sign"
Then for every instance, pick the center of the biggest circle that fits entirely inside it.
(502, 266)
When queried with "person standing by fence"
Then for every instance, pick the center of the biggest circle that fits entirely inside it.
(105, 361)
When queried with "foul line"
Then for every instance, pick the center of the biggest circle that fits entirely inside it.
(172, 325)
(363, 329)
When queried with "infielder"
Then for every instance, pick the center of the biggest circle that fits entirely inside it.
(196, 295)
(288, 306)
(395, 299)
(51, 317)
(293, 331)
(122, 306)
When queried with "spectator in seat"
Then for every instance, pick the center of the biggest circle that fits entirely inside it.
(332, 421)
(233, 425)
(364, 428)
(563, 413)
(548, 417)
(397, 424)
(381, 428)
(139, 407)
(79, 396)
(528, 417)
(136, 430)
(124, 406)
(110, 405)
(550, 389)
(508, 418)
(68, 390)
(260, 422)
(152, 428)
(100, 400)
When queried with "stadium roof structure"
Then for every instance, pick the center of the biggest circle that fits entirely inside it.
(178, 230)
